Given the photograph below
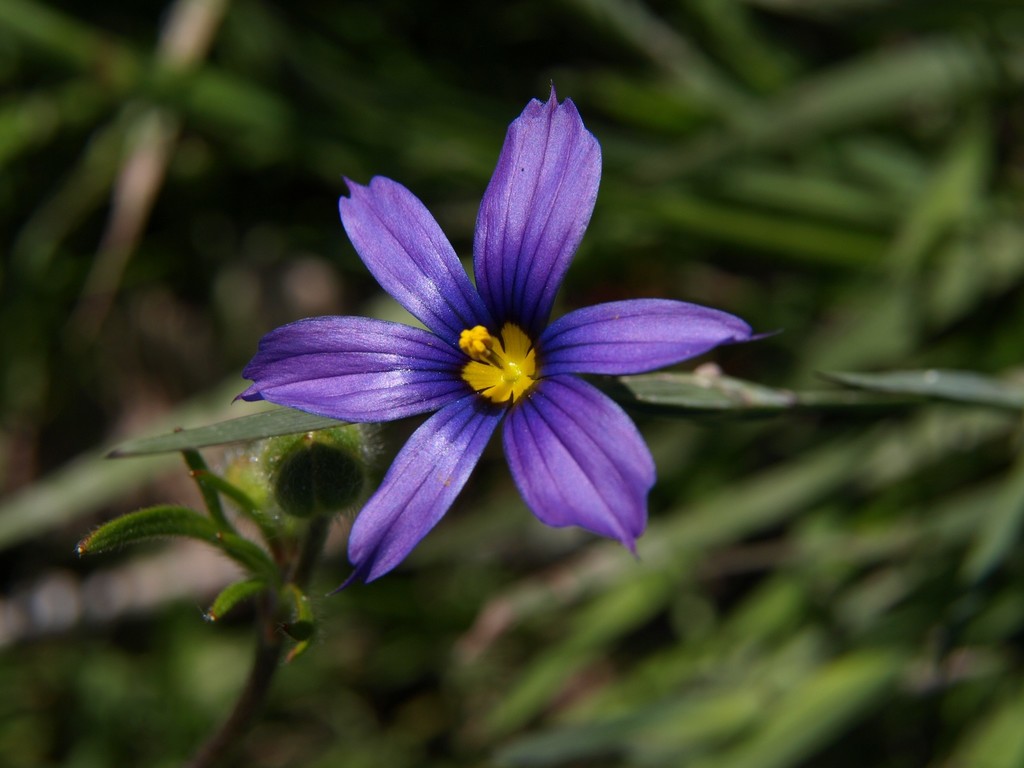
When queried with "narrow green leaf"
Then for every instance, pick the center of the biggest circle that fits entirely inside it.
(806, 194)
(866, 89)
(265, 521)
(150, 523)
(614, 614)
(946, 200)
(240, 498)
(695, 73)
(232, 595)
(280, 421)
(303, 627)
(999, 536)
(87, 483)
(956, 386)
(813, 713)
(63, 37)
(168, 520)
(996, 739)
(201, 473)
(687, 723)
(797, 239)
(695, 393)
(763, 66)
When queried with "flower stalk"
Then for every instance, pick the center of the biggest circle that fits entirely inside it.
(270, 645)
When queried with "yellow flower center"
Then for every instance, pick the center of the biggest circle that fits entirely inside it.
(502, 368)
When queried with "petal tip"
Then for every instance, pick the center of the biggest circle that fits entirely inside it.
(629, 536)
(250, 395)
(352, 186)
(751, 336)
(358, 575)
(355, 189)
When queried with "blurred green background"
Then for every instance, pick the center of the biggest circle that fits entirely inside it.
(817, 588)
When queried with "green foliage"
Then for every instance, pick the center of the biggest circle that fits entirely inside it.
(834, 579)
(164, 520)
(302, 627)
(257, 426)
(956, 386)
(232, 595)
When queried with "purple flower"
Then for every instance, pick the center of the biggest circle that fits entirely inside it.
(489, 353)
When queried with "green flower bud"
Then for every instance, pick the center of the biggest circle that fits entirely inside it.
(317, 473)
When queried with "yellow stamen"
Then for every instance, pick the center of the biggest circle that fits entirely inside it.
(501, 368)
(476, 342)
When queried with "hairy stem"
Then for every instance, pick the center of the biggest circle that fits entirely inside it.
(312, 546)
(269, 645)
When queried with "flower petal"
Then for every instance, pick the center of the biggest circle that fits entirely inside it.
(405, 249)
(579, 460)
(535, 211)
(420, 486)
(635, 336)
(355, 369)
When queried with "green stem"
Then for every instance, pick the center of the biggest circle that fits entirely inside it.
(200, 473)
(245, 504)
(269, 646)
(312, 546)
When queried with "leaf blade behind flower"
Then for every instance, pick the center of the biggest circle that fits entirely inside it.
(951, 385)
(256, 426)
(692, 394)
